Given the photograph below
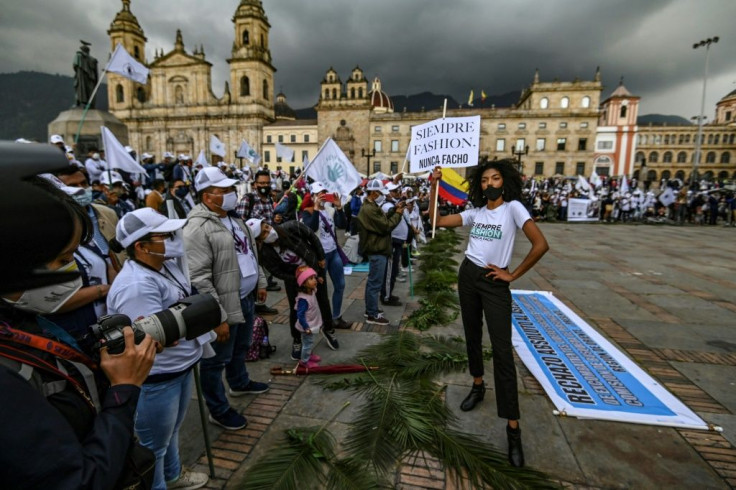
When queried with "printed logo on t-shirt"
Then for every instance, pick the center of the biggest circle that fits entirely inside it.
(486, 231)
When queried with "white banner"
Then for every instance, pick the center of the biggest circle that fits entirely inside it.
(667, 197)
(448, 142)
(582, 210)
(584, 375)
(333, 169)
(124, 64)
(217, 147)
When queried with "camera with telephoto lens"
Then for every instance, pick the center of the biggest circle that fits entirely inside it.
(189, 318)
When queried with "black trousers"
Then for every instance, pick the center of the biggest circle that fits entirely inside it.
(480, 295)
(392, 268)
(322, 300)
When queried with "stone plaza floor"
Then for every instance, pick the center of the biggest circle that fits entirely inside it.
(664, 295)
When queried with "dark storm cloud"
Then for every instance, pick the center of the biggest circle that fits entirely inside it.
(447, 47)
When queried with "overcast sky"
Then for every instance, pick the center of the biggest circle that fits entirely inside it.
(442, 46)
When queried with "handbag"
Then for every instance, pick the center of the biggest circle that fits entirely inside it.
(138, 468)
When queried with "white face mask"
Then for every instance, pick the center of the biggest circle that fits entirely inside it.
(50, 298)
(272, 236)
(380, 199)
(229, 201)
(174, 248)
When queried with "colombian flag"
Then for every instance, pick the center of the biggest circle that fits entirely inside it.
(453, 187)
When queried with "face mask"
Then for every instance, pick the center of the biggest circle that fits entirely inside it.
(327, 205)
(50, 298)
(174, 248)
(229, 201)
(264, 191)
(493, 193)
(272, 236)
(85, 199)
(380, 199)
(181, 192)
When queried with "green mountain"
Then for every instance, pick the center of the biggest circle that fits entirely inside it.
(30, 100)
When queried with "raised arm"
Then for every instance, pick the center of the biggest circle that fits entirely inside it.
(449, 221)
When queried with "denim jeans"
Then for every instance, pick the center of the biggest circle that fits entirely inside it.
(337, 274)
(160, 412)
(307, 345)
(376, 273)
(229, 355)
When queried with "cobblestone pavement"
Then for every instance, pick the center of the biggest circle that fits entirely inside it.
(666, 296)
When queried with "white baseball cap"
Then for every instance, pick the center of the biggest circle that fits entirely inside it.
(71, 191)
(376, 185)
(168, 154)
(392, 187)
(105, 177)
(145, 156)
(212, 177)
(55, 138)
(255, 226)
(317, 187)
(139, 223)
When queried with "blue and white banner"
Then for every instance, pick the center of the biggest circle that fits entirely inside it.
(585, 375)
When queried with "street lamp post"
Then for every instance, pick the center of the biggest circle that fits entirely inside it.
(368, 157)
(699, 137)
(518, 151)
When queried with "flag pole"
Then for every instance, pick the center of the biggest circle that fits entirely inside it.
(437, 193)
(89, 102)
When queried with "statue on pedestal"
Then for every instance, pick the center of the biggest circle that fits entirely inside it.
(85, 75)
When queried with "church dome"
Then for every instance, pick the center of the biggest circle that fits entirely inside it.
(379, 100)
(282, 109)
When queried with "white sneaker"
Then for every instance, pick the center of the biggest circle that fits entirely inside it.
(188, 480)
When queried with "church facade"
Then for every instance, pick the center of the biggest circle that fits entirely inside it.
(564, 128)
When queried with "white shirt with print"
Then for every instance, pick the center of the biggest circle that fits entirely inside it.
(492, 232)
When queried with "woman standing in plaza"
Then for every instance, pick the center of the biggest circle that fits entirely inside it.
(484, 278)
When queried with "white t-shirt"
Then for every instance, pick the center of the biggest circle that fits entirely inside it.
(401, 231)
(325, 237)
(95, 267)
(492, 232)
(140, 291)
(246, 258)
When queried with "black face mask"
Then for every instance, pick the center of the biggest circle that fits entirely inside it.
(264, 191)
(493, 193)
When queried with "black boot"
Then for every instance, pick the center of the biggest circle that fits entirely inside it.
(474, 397)
(516, 453)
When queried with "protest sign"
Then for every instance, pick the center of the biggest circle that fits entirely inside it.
(446, 142)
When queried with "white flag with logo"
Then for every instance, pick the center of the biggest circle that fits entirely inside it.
(122, 63)
(624, 185)
(245, 151)
(595, 179)
(283, 151)
(116, 155)
(333, 169)
(667, 197)
(217, 147)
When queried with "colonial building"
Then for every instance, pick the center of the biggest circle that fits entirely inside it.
(556, 128)
(176, 110)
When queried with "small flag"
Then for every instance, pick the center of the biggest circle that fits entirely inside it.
(202, 160)
(217, 147)
(624, 185)
(332, 169)
(453, 187)
(595, 179)
(124, 64)
(286, 153)
(245, 151)
(667, 197)
(582, 184)
(470, 99)
(482, 95)
(116, 155)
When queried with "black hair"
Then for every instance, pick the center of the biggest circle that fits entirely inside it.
(77, 212)
(173, 183)
(511, 181)
(261, 173)
(158, 183)
(117, 247)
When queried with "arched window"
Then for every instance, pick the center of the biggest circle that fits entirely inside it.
(716, 139)
(149, 142)
(265, 89)
(622, 112)
(710, 157)
(244, 86)
(119, 94)
(680, 174)
(178, 95)
(585, 103)
(327, 93)
(653, 157)
(667, 157)
(723, 174)
(725, 157)
(544, 103)
(710, 139)
(263, 41)
(246, 37)
(136, 52)
(666, 174)
(639, 156)
(708, 175)
(565, 102)
(334, 93)
(352, 92)
(140, 94)
(652, 175)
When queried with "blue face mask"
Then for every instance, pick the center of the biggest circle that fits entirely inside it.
(85, 199)
(182, 192)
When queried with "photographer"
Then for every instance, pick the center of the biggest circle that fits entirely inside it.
(60, 429)
(150, 282)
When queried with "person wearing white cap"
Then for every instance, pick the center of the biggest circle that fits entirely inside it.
(375, 244)
(223, 261)
(151, 281)
(399, 237)
(95, 167)
(57, 140)
(183, 170)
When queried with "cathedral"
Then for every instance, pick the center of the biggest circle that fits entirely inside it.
(563, 128)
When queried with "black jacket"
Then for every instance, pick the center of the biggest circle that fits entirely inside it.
(59, 442)
(302, 241)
